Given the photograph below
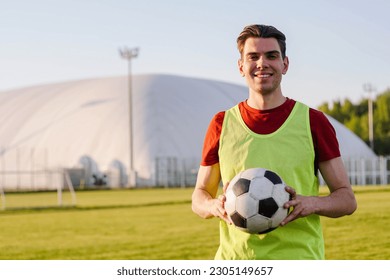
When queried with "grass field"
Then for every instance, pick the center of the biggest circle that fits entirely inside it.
(159, 224)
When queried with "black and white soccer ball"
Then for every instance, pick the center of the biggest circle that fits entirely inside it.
(254, 200)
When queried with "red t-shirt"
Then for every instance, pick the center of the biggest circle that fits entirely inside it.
(325, 143)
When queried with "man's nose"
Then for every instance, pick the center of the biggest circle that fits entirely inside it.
(262, 62)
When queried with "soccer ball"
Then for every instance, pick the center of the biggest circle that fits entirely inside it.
(254, 200)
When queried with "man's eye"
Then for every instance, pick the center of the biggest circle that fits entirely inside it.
(272, 56)
(253, 57)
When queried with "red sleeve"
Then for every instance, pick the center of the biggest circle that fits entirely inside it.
(211, 142)
(326, 146)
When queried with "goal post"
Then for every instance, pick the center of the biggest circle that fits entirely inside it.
(40, 198)
(68, 183)
(2, 198)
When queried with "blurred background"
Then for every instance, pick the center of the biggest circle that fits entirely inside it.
(120, 93)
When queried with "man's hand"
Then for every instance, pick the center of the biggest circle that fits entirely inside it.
(302, 206)
(217, 208)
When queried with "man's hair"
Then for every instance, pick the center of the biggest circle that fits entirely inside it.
(261, 31)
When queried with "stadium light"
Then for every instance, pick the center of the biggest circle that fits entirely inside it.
(129, 54)
(369, 88)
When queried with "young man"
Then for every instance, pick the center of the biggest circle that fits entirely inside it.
(271, 131)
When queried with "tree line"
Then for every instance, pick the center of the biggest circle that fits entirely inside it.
(355, 117)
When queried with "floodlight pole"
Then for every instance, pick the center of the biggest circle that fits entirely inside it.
(368, 88)
(129, 54)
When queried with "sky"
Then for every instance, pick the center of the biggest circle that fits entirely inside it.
(334, 46)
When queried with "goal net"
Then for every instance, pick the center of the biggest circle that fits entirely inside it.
(59, 193)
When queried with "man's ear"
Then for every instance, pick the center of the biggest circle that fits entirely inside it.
(240, 65)
(286, 63)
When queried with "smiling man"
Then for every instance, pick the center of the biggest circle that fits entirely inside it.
(275, 132)
(263, 64)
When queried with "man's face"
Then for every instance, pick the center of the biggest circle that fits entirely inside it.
(262, 65)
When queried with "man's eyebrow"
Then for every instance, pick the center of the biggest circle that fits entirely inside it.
(273, 52)
(267, 53)
(252, 53)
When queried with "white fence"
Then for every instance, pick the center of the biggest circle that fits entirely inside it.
(168, 172)
(373, 171)
(29, 170)
(174, 172)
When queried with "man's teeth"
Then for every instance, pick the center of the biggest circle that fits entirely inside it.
(264, 75)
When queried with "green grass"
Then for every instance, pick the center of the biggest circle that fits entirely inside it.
(159, 224)
(365, 234)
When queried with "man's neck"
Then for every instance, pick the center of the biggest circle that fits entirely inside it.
(265, 102)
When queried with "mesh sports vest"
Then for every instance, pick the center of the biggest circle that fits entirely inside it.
(289, 152)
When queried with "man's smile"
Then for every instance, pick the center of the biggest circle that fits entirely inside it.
(262, 75)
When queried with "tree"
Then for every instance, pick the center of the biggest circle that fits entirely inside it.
(355, 117)
(382, 115)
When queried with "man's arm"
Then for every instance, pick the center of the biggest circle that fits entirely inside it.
(204, 201)
(341, 200)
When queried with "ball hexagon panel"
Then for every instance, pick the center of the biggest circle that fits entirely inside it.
(261, 188)
(258, 223)
(230, 203)
(246, 206)
(280, 194)
(278, 217)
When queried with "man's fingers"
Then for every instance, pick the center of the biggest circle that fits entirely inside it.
(292, 192)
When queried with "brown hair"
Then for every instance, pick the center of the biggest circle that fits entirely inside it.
(261, 31)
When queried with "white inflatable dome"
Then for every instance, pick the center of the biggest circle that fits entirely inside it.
(84, 125)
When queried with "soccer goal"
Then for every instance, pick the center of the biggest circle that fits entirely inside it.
(2, 197)
(69, 184)
(24, 171)
(61, 193)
